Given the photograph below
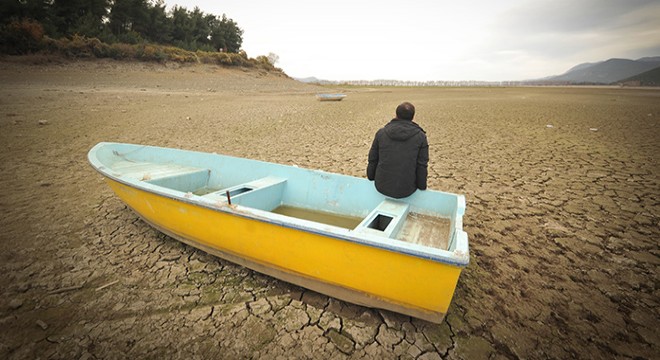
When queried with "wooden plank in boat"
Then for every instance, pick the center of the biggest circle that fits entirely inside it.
(425, 230)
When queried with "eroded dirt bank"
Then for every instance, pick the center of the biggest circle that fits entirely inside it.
(562, 196)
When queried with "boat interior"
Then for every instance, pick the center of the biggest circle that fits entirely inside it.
(390, 218)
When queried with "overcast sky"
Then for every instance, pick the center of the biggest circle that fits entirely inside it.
(488, 40)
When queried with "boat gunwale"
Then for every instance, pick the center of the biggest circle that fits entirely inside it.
(458, 257)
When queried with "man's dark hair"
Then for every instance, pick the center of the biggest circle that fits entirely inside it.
(405, 111)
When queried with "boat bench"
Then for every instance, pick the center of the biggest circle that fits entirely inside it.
(264, 194)
(171, 176)
(386, 219)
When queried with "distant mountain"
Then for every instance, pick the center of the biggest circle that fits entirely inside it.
(651, 59)
(310, 79)
(640, 72)
(648, 78)
(605, 72)
(582, 66)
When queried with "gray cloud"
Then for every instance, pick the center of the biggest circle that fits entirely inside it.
(569, 16)
(590, 30)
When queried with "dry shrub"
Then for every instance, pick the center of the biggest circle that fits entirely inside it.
(264, 63)
(180, 55)
(76, 47)
(204, 57)
(21, 37)
(122, 51)
(239, 59)
(217, 58)
(82, 47)
(28, 36)
(150, 53)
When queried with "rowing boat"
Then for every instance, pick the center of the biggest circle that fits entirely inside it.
(330, 97)
(331, 233)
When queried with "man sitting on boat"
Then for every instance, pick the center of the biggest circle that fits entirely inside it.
(399, 155)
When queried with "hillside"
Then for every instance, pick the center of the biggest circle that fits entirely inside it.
(648, 78)
(605, 72)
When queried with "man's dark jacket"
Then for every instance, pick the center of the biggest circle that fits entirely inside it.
(398, 159)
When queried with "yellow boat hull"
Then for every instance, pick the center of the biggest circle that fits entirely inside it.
(350, 271)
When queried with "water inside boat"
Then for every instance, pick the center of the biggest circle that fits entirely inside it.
(419, 229)
(347, 222)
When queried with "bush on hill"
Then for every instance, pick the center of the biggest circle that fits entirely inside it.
(27, 37)
(123, 29)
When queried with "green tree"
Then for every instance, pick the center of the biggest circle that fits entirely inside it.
(159, 29)
(83, 17)
(200, 29)
(226, 35)
(181, 27)
(129, 19)
(15, 10)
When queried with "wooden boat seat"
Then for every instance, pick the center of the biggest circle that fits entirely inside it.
(386, 219)
(264, 194)
(146, 171)
(169, 175)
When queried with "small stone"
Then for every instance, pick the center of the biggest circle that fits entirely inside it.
(42, 325)
(53, 339)
(43, 122)
(15, 304)
(171, 258)
(343, 343)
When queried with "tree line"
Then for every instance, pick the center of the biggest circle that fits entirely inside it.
(119, 21)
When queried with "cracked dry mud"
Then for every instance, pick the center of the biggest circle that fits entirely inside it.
(562, 212)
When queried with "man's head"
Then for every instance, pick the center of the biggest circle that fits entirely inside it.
(405, 111)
